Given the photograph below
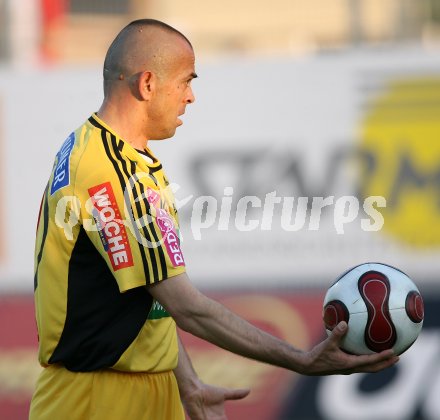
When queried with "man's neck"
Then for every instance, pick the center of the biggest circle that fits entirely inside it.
(124, 124)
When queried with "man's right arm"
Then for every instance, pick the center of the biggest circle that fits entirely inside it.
(205, 318)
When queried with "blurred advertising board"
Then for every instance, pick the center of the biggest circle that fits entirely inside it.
(2, 215)
(286, 171)
(408, 391)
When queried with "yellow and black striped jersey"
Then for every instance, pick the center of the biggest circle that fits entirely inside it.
(108, 227)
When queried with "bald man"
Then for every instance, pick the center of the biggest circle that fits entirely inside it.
(110, 280)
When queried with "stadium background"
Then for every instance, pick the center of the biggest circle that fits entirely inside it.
(305, 98)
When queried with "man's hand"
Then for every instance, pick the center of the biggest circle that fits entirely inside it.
(327, 358)
(201, 401)
(208, 402)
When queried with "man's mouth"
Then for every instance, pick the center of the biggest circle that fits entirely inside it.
(179, 121)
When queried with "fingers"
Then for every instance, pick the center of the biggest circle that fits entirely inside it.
(370, 359)
(338, 332)
(382, 365)
(373, 362)
(236, 394)
(379, 365)
(328, 358)
(372, 368)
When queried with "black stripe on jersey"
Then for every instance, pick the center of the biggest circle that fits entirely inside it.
(160, 250)
(101, 323)
(140, 214)
(146, 153)
(123, 186)
(119, 144)
(152, 170)
(43, 239)
(96, 123)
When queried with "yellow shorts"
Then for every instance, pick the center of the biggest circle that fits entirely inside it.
(105, 395)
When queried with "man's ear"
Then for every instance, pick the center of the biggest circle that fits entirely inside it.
(146, 84)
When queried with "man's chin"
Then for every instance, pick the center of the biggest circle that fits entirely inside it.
(165, 136)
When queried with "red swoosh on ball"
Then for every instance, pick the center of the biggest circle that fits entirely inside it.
(380, 333)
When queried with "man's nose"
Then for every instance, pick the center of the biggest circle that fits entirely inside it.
(190, 98)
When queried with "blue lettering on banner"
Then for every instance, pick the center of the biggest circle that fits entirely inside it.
(61, 174)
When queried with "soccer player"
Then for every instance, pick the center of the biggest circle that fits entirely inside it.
(110, 281)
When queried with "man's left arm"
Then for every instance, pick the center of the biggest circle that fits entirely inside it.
(201, 401)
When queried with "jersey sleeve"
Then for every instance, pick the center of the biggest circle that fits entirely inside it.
(131, 226)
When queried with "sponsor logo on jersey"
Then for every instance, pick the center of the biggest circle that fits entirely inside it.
(110, 226)
(153, 197)
(171, 239)
(61, 174)
(157, 311)
(166, 226)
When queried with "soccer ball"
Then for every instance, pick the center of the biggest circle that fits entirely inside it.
(382, 306)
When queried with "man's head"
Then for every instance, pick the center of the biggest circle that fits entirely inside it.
(149, 67)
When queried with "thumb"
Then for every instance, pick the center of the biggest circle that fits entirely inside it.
(236, 394)
(339, 331)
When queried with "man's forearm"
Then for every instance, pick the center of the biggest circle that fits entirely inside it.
(211, 321)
